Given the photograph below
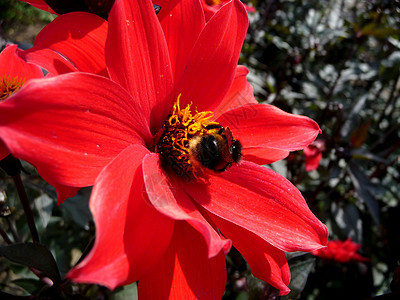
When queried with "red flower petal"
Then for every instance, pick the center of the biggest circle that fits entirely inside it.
(70, 126)
(137, 58)
(182, 27)
(266, 262)
(3, 150)
(166, 195)
(313, 157)
(63, 191)
(166, 7)
(212, 64)
(41, 4)
(266, 126)
(240, 93)
(51, 61)
(185, 272)
(209, 10)
(11, 65)
(263, 202)
(79, 36)
(341, 251)
(131, 236)
(263, 156)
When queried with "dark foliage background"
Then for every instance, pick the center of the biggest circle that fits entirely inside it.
(336, 61)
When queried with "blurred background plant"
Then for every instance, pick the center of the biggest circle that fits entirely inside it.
(20, 22)
(336, 61)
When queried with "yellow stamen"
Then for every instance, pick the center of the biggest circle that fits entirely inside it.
(9, 85)
(213, 2)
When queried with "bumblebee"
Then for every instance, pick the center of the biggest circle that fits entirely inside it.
(216, 149)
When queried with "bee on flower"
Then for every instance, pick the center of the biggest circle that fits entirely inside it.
(172, 143)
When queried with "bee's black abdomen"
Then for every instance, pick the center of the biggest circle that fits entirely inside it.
(236, 151)
(208, 153)
(213, 126)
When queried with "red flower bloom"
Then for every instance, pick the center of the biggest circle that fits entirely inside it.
(60, 47)
(313, 154)
(63, 45)
(211, 7)
(158, 209)
(341, 251)
(14, 72)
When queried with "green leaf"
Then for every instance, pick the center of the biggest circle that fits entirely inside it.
(126, 292)
(259, 289)
(353, 116)
(364, 188)
(362, 153)
(299, 275)
(374, 29)
(77, 208)
(348, 220)
(359, 135)
(33, 255)
(44, 206)
(32, 286)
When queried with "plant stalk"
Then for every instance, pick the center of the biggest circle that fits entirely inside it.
(27, 209)
(5, 237)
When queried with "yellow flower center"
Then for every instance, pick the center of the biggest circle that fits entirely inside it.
(9, 85)
(213, 2)
(191, 142)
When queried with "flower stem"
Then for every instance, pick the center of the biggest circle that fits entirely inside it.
(27, 209)
(86, 251)
(5, 237)
(14, 233)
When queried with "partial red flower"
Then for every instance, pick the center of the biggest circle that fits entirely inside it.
(211, 6)
(99, 7)
(163, 216)
(70, 43)
(14, 73)
(61, 47)
(341, 251)
(41, 4)
(313, 154)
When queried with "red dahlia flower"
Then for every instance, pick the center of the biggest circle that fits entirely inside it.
(162, 215)
(341, 251)
(60, 47)
(14, 72)
(313, 154)
(73, 42)
(211, 6)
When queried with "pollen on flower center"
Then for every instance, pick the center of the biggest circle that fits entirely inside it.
(191, 142)
(213, 2)
(9, 85)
